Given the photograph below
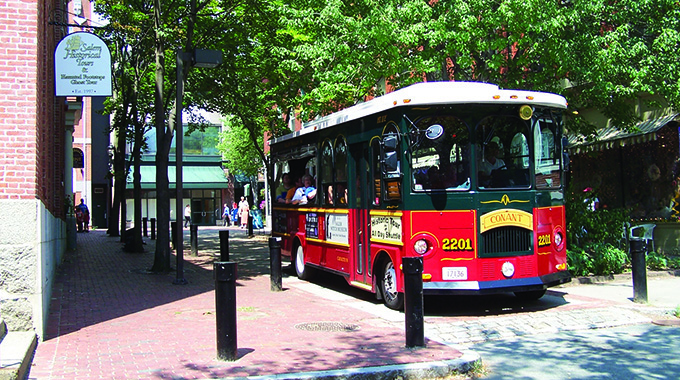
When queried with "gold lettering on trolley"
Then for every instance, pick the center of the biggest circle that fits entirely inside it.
(506, 218)
(505, 200)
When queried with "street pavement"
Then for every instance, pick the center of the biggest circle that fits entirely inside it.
(112, 319)
(630, 352)
(642, 341)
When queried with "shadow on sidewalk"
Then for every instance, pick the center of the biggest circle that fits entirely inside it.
(99, 281)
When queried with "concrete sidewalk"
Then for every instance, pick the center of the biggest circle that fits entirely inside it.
(112, 319)
(663, 289)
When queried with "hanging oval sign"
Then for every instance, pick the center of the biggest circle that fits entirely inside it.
(82, 66)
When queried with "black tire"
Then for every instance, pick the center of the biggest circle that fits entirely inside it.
(388, 287)
(531, 295)
(301, 269)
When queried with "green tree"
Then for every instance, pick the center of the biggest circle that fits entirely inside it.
(129, 105)
(621, 50)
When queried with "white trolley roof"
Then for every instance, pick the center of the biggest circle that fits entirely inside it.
(432, 93)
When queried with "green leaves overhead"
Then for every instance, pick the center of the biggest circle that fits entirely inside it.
(310, 57)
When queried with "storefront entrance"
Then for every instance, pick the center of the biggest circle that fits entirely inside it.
(205, 207)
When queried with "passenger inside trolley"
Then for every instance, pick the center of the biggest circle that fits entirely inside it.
(490, 163)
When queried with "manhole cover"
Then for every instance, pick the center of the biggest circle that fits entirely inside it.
(327, 326)
(667, 322)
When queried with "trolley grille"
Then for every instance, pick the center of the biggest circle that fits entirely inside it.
(506, 241)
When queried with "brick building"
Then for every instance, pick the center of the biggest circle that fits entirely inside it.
(35, 149)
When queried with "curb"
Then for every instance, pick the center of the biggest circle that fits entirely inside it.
(585, 280)
(414, 371)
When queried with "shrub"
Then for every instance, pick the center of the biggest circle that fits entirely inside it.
(656, 261)
(597, 259)
(674, 263)
(585, 226)
(579, 262)
(607, 259)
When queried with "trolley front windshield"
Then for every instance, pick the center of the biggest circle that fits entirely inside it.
(485, 150)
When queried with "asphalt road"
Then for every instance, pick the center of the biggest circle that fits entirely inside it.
(642, 351)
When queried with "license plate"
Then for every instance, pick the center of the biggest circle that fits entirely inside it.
(454, 273)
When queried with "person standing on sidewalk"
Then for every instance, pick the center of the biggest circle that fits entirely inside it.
(243, 211)
(187, 216)
(225, 216)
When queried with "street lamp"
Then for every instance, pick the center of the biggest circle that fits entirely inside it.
(197, 58)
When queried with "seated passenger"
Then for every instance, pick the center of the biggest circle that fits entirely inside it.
(291, 192)
(342, 194)
(449, 175)
(282, 189)
(433, 178)
(329, 194)
(305, 193)
(489, 163)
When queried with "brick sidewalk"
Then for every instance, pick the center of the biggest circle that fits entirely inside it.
(111, 319)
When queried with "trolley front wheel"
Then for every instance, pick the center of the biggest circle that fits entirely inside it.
(388, 286)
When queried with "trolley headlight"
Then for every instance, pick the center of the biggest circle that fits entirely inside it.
(558, 239)
(420, 246)
(508, 269)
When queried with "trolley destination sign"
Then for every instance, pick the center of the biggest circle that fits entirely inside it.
(82, 66)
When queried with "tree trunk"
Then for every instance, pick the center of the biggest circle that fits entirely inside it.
(119, 176)
(161, 261)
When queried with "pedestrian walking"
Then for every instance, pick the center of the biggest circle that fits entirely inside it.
(187, 216)
(83, 217)
(225, 215)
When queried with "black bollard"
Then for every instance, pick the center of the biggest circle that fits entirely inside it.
(275, 264)
(193, 232)
(173, 233)
(145, 221)
(413, 301)
(153, 228)
(250, 224)
(224, 245)
(638, 253)
(225, 309)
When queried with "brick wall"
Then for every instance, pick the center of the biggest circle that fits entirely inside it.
(31, 119)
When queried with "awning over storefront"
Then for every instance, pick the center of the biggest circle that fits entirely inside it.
(193, 177)
(612, 137)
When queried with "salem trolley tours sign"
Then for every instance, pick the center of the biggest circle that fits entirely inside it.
(82, 66)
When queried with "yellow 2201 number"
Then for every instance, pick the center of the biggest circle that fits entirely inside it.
(457, 245)
(543, 240)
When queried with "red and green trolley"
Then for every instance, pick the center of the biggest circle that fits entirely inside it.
(468, 176)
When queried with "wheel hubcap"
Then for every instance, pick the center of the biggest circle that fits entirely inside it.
(390, 283)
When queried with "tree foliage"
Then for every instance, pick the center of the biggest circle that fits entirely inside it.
(286, 59)
(621, 50)
(314, 57)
